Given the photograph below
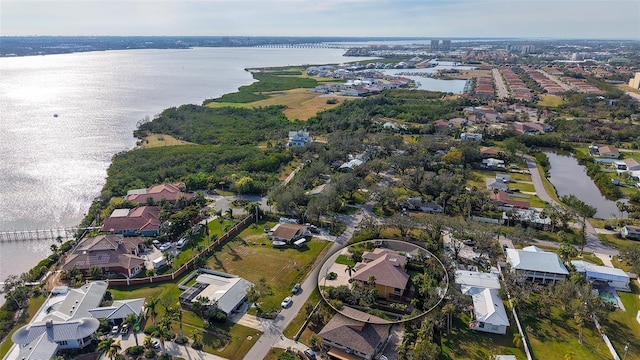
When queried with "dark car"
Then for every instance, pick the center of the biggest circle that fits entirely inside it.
(310, 354)
(296, 288)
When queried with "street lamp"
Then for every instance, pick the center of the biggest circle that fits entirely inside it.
(626, 350)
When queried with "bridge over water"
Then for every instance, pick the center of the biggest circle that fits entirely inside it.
(305, 46)
(46, 234)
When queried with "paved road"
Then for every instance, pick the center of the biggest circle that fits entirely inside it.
(500, 85)
(272, 336)
(593, 242)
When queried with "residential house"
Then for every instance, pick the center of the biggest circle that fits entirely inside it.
(228, 291)
(118, 311)
(493, 184)
(417, 204)
(347, 338)
(493, 164)
(489, 152)
(532, 217)
(158, 193)
(64, 321)
(387, 267)
(488, 309)
(144, 220)
(502, 198)
(614, 277)
(112, 253)
(459, 122)
(489, 312)
(354, 161)
(298, 138)
(288, 232)
(536, 264)
(608, 152)
(630, 232)
(631, 164)
(471, 136)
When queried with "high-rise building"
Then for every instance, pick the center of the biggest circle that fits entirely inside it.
(446, 45)
(635, 82)
(435, 44)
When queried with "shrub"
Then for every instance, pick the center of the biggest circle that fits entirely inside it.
(149, 354)
(332, 276)
(181, 340)
(135, 350)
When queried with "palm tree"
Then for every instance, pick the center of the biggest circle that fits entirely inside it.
(517, 340)
(197, 339)
(580, 322)
(114, 350)
(105, 345)
(448, 310)
(350, 269)
(131, 320)
(151, 305)
(163, 334)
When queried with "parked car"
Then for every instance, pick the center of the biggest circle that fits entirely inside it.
(296, 289)
(181, 243)
(155, 343)
(310, 354)
(505, 247)
(286, 302)
(156, 243)
(125, 329)
(115, 330)
(164, 247)
(469, 242)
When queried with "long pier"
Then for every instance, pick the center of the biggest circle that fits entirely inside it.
(46, 234)
(304, 46)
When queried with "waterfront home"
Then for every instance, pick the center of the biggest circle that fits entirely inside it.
(144, 220)
(536, 264)
(158, 193)
(299, 138)
(112, 253)
(607, 151)
(630, 232)
(228, 291)
(118, 311)
(347, 338)
(387, 267)
(614, 277)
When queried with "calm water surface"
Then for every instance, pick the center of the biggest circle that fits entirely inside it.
(569, 177)
(426, 83)
(51, 168)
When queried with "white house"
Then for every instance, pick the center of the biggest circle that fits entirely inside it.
(229, 291)
(471, 136)
(503, 177)
(492, 163)
(630, 232)
(489, 312)
(299, 138)
(536, 264)
(614, 277)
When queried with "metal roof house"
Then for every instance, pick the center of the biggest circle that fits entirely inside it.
(536, 264)
(472, 282)
(614, 277)
(228, 290)
(490, 315)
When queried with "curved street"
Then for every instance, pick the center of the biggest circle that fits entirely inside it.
(593, 242)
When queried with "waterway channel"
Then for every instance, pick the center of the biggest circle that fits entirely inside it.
(569, 177)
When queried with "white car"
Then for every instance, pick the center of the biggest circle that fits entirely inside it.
(115, 330)
(286, 302)
(181, 243)
(164, 247)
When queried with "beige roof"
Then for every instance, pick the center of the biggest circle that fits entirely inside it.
(386, 271)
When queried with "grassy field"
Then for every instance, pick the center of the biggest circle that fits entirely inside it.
(556, 337)
(252, 257)
(301, 104)
(519, 181)
(622, 327)
(464, 343)
(34, 304)
(158, 140)
(550, 100)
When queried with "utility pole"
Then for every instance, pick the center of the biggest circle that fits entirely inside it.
(626, 350)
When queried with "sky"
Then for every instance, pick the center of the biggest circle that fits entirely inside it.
(566, 19)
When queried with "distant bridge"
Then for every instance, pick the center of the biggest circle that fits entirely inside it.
(305, 46)
(47, 234)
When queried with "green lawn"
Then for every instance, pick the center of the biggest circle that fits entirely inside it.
(555, 337)
(622, 327)
(34, 304)
(344, 260)
(464, 343)
(251, 256)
